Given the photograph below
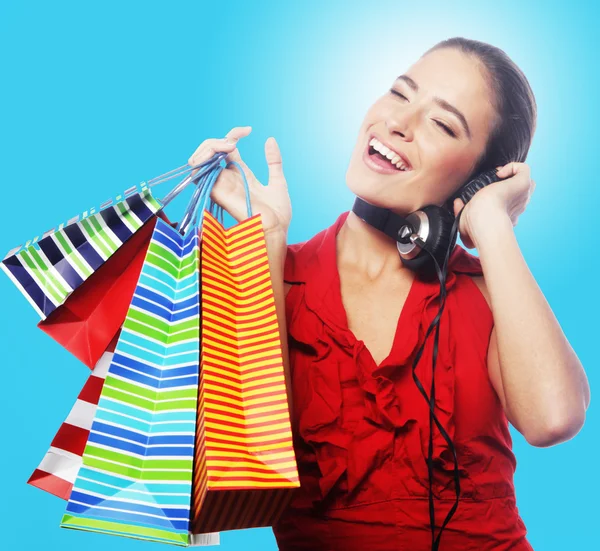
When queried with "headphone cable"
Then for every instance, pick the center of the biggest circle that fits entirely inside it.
(442, 274)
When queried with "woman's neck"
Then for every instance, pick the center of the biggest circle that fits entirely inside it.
(364, 248)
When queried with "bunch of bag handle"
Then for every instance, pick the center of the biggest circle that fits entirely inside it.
(205, 179)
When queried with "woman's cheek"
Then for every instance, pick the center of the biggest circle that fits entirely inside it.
(444, 169)
(448, 161)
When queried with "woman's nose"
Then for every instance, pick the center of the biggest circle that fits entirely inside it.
(402, 121)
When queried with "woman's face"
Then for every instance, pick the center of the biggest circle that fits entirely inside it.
(438, 119)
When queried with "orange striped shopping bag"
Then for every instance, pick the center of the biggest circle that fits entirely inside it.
(245, 468)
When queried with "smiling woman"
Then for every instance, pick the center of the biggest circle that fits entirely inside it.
(353, 318)
(459, 110)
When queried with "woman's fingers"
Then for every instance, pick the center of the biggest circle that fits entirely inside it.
(228, 190)
(208, 148)
(274, 162)
(230, 194)
(458, 205)
(512, 169)
(250, 178)
(238, 132)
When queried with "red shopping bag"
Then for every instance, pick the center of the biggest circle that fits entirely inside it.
(91, 317)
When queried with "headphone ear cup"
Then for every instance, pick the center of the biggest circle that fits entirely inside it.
(437, 241)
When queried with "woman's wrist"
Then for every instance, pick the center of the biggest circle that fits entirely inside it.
(276, 243)
(276, 237)
(489, 228)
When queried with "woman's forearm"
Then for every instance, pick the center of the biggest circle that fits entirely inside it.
(276, 251)
(544, 382)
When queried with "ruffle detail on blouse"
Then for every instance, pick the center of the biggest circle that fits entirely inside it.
(317, 323)
(319, 418)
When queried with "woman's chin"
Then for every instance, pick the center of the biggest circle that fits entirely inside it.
(373, 191)
(378, 197)
(382, 195)
(368, 184)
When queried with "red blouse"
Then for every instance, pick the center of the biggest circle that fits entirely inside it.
(361, 431)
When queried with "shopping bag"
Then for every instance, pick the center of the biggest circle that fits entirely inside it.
(48, 270)
(86, 316)
(94, 313)
(58, 469)
(136, 475)
(245, 467)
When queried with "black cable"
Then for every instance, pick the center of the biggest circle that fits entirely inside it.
(442, 274)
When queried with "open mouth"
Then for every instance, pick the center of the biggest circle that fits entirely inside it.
(381, 159)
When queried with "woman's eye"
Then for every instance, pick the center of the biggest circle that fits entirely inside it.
(447, 129)
(398, 94)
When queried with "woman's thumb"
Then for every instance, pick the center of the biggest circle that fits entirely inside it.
(273, 155)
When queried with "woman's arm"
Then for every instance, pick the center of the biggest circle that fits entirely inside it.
(536, 373)
(276, 251)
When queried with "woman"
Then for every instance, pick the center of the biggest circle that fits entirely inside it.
(353, 317)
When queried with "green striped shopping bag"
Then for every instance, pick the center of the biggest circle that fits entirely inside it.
(136, 475)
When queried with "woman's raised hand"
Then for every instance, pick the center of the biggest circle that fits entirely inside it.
(272, 201)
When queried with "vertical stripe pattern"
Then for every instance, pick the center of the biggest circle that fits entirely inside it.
(49, 270)
(136, 475)
(245, 467)
(58, 469)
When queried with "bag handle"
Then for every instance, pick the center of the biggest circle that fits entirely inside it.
(205, 178)
(204, 168)
(194, 214)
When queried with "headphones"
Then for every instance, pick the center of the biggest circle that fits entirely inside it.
(425, 239)
(425, 236)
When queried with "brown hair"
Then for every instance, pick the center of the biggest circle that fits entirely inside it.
(513, 101)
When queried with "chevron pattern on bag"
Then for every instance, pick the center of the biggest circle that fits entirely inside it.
(136, 475)
(48, 270)
(245, 464)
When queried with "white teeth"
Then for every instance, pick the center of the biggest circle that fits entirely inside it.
(393, 157)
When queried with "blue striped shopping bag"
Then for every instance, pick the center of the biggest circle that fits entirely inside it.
(136, 475)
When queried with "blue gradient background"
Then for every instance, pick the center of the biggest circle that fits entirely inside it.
(97, 96)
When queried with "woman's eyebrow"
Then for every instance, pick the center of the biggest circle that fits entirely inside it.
(441, 102)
